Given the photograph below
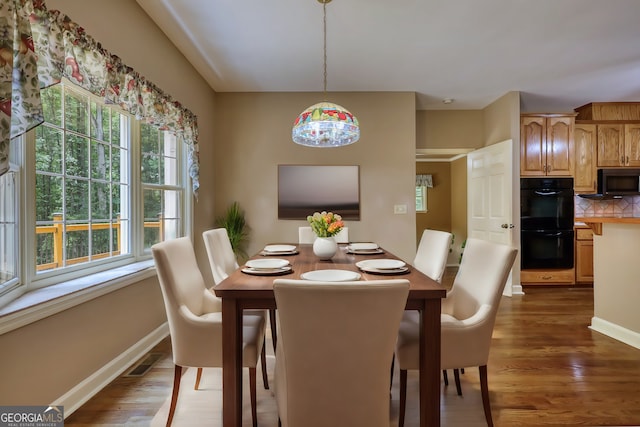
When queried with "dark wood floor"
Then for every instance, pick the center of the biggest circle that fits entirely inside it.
(546, 368)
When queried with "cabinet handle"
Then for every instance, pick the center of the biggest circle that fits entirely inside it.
(622, 160)
(546, 277)
(548, 168)
(544, 168)
(627, 160)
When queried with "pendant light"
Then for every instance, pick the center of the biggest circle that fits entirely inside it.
(325, 124)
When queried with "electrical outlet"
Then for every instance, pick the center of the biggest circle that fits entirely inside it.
(399, 209)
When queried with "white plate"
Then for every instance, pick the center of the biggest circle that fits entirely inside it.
(268, 263)
(267, 272)
(388, 271)
(362, 246)
(331, 275)
(279, 248)
(380, 264)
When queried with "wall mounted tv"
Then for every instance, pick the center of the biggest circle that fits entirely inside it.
(305, 189)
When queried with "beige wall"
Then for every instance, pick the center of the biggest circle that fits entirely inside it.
(254, 136)
(41, 361)
(615, 282)
(458, 207)
(438, 215)
(449, 129)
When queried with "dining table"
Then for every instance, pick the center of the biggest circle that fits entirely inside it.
(241, 291)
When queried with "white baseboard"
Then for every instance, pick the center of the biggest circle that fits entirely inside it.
(614, 331)
(90, 386)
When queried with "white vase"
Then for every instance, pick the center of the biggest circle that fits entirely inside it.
(325, 247)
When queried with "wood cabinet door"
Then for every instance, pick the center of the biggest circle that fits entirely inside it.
(584, 137)
(532, 146)
(610, 145)
(632, 144)
(559, 146)
(584, 261)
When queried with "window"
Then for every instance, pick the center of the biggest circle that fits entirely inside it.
(421, 198)
(98, 189)
(9, 231)
(81, 163)
(161, 194)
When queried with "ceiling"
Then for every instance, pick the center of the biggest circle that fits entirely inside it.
(560, 54)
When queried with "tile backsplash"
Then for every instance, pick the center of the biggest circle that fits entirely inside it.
(625, 207)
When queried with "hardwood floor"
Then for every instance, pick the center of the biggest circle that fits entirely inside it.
(546, 368)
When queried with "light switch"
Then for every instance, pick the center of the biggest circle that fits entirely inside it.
(400, 209)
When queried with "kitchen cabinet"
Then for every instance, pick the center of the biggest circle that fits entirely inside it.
(546, 144)
(584, 254)
(618, 145)
(585, 179)
(562, 277)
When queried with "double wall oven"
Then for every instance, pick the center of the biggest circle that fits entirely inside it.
(547, 218)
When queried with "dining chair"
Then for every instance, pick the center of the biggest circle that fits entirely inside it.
(431, 260)
(195, 318)
(306, 235)
(336, 344)
(222, 261)
(433, 251)
(468, 316)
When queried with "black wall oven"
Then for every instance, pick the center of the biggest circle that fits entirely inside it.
(547, 217)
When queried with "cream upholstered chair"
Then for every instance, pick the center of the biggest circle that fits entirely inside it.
(343, 235)
(432, 253)
(222, 261)
(195, 318)
(335, 346)
(468, 315)
(431, 260)
(306, 235)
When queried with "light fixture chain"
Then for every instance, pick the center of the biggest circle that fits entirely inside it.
(324, 30)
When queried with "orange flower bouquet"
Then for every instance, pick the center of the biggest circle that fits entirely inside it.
(325, 224)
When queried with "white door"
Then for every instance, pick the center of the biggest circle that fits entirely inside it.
(489, 195)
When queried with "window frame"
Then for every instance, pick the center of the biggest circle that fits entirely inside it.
(421, 199)
(29, 278)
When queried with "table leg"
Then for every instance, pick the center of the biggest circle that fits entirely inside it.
(231, 363)
(430, 363)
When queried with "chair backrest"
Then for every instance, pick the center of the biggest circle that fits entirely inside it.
(343, 235)
(433, 250)
(335, 346)
(473, 301)
(221, 257)
(306, 235)
(183, 290)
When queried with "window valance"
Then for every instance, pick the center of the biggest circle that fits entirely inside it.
(38, 47)
(424, 181)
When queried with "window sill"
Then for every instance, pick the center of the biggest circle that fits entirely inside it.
(47, 301)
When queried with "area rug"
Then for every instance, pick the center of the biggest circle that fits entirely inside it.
(203, 407)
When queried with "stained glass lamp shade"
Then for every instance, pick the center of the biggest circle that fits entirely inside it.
(325, 125)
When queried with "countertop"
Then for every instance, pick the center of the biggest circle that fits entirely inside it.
(595, 222)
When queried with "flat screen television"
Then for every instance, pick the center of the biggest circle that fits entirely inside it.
(305, 189)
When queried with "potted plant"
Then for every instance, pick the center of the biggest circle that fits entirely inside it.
(237, 229)
(325, 226)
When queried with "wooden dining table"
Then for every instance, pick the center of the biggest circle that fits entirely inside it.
(242, 291)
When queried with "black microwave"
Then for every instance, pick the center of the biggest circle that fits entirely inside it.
(619, 182)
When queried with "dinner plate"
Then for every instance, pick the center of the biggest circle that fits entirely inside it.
(389, 271)
(267, 263)
(380, 264)
(364, 251)
(279, 248)
(331, 275)
(363, 246)
(267, 272)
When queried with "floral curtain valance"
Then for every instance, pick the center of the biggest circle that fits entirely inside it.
(57, 47)
(424, 181)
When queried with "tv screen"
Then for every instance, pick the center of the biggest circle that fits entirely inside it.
(305, 189)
